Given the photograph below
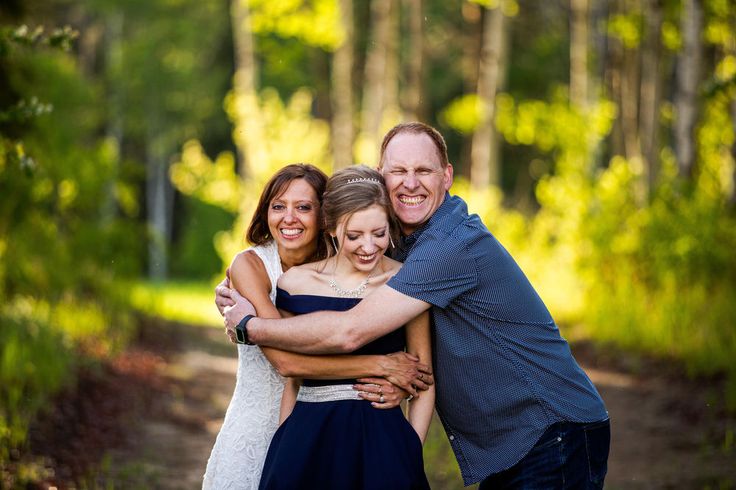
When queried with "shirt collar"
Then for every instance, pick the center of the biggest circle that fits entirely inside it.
(444, 209)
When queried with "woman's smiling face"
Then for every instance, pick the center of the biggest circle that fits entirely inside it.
(364, 237)
(293, 216)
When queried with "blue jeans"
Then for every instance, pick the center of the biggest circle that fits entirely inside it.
(568, 456)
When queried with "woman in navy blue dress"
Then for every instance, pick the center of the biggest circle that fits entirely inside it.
(331, 436)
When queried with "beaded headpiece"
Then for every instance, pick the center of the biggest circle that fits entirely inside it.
(363, 179)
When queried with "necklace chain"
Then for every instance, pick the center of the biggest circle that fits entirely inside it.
(350, 293)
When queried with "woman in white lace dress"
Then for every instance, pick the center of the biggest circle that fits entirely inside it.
(286, 232)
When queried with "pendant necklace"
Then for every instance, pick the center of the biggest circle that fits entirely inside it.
(350, 293)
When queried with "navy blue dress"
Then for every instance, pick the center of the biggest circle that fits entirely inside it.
(346, 443)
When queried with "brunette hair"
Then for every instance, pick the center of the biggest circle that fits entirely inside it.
(354, 189)
(416, 128)
(258, 232)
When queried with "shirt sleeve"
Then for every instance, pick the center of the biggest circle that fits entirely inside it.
(437, 272)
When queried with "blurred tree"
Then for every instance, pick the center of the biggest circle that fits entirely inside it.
(380, 53)
(484, 164)
(342, 91)
(651, 93)
(688, 77)
(411, 99)
(579, 21)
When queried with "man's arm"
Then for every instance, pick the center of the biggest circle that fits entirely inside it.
(328, 332)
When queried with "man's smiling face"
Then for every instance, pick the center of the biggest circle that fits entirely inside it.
(415, 178)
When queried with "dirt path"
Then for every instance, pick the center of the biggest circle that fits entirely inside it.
(667, 432)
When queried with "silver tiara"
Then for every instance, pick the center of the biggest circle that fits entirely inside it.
(363, 179)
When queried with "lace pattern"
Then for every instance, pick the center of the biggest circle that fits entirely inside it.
(237, 457)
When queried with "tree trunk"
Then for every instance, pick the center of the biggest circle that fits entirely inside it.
(732, 197)
(651, 89)
(412, 97)
(391, 112)
(688, 75)
(342, 91)
(114, 130)
(612, 67)
(472, 39)
(579, 53)
(374, 80)
(629, 102)
(247, 125)
(483, 170)
(159, 202)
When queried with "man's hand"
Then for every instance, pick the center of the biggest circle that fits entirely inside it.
(381, 393)
(233, 314)
(223, 298)
(405, 371)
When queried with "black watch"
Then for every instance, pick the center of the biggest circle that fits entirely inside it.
(241, 332)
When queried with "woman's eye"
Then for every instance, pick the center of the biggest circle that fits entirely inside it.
(277, 207)
(352, 238)
(306, 208)
(381, 234)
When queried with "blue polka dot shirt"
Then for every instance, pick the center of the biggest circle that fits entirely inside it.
(503, 372)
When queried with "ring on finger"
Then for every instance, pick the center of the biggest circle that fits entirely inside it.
(381, 399)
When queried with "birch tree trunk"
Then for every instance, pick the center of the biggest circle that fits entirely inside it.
(688, 75)
(412, 96)
(342, 91)
(484, 170)
(579, 53)
(374, 80)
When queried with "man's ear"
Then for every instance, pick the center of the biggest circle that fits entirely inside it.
(449, 171)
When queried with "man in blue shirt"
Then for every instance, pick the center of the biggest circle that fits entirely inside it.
(518, 410)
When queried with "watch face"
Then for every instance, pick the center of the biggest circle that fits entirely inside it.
(240, 334)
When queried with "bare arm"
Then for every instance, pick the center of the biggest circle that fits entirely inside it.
(249, 277)
(419, 342)
(331, 331)
(288, 398)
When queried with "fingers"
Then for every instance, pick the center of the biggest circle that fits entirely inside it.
(381, 401)
(372, 388)
(231, 335)
(426, 377)
(419, 385)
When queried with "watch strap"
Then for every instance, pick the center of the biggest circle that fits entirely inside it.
(241, 331)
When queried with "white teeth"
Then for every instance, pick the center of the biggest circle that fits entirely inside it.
(290, 232)
(411, 200)
(366, 257)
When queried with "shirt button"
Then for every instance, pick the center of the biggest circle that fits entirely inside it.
(559, 439)
(452, 438)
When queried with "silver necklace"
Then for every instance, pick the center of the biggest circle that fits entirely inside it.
(350, 293)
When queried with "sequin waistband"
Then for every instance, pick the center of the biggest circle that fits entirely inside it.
(329, 393)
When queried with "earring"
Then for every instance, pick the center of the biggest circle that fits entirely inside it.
(334, 243)
(391, 241)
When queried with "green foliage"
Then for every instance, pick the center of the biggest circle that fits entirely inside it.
(288, 134)
(187, 302)
(314, 22)
(463, 114)
(66, 231)
(194, 255)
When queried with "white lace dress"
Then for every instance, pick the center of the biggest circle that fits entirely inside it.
(252, 417)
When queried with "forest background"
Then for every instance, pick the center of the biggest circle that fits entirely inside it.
(595, 138)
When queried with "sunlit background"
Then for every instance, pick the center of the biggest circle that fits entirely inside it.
(594, 137)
